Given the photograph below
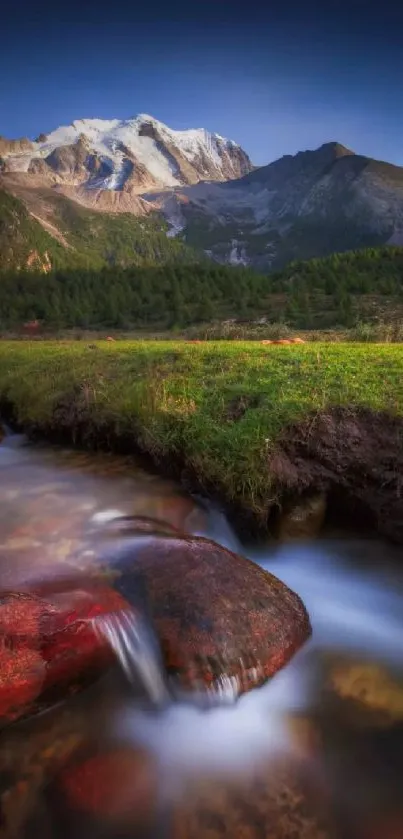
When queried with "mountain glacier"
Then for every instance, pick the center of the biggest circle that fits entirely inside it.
(139, 153)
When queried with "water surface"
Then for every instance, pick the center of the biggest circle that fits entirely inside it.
(297, 757)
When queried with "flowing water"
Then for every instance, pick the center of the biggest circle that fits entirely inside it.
(317, 752)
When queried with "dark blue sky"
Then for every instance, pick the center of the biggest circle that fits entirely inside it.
(277, 81)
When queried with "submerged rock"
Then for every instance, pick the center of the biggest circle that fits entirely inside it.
(104, 791)
(50, 645)
(137, 526)
(359, 719)
(304, 519)
(223, 623)
(365, 692)
(64, 773)
(278, 800)
(173, 508)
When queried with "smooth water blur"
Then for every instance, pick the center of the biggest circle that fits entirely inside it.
(135, 651)
(55, 510)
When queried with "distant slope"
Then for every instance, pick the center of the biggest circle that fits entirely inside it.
(342, 289)
(311, 204)
(81, 238)
(369, 270)
(23, 241)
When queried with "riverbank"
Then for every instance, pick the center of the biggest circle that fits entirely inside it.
(253, 426)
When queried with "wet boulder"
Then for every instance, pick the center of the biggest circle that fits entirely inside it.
(51, 646)
(138, 525)
(224, 624)
(173, 508)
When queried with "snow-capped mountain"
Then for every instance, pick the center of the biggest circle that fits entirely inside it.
(131, 155)
(206, 191)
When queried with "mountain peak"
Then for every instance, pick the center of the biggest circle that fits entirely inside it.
(145, 118)
(337, 148)
(137, 155)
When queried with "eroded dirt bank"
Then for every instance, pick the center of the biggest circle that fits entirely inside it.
(355, 456)
(352, 457)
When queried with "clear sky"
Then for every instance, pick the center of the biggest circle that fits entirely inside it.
(277, 81)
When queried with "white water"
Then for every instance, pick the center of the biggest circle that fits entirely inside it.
(352, 587)
(354, 611)
(135, 649)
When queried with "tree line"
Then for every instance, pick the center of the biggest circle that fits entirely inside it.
(182, 294)
(126, 297)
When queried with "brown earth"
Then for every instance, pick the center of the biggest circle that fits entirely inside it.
(355, 456)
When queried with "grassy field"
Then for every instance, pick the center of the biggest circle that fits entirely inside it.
(218, 409)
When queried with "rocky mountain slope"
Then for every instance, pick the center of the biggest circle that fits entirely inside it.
(205, 191)
(72, 237)
(311, 204)
(125, 156)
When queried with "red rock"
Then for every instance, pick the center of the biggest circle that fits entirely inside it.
(118, 786)
(70, 644)
(19, 618)
(218, 616)
(22, 675)
(49, 642)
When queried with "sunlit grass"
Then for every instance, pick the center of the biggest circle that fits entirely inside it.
(181, 401)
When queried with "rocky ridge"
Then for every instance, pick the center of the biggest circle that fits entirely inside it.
(205, 186)
(125, 155)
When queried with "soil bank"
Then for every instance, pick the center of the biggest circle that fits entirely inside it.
(257, 428)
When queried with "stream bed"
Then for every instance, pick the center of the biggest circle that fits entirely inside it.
(317, 752)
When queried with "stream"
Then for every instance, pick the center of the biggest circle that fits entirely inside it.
(315, 753)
